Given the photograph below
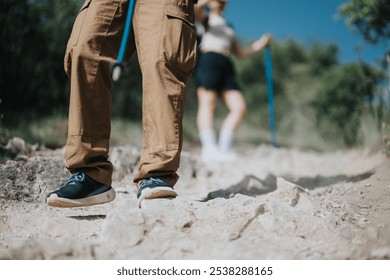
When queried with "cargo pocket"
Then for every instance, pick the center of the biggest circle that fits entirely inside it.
(178, 42)
(74, 36)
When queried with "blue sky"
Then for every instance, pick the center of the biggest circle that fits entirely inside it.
(305, 21)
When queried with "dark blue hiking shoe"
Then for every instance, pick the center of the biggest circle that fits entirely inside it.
(154, 188)
(80, 190)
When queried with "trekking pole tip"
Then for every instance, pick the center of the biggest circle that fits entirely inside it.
(116, 72)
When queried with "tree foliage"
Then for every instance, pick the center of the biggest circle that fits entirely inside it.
(346, 89)
(322, 57)
(370, 17)
(32, 45)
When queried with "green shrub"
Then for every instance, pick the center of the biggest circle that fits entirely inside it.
(340, 103)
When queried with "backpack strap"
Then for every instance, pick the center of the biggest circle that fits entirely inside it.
(206, 23)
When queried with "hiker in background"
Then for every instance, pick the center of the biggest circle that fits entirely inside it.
(215, 78)
(164, 37)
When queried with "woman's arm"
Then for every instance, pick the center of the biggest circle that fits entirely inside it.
(199, 9)
(254, 48)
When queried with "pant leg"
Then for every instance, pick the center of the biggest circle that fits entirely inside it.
(166, 44)
(91, 50)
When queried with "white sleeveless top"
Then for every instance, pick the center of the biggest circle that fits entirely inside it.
(219, 36)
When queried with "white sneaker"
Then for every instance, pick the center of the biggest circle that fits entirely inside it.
(211, 154)
(228, 156)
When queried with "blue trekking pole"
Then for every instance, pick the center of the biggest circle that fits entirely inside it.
(117, 68)
(270, 93)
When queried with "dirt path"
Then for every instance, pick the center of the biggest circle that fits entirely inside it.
(271, 204)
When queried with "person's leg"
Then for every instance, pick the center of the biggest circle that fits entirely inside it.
(236, 105)
(207, 102)
(91, 50)
(166, 44)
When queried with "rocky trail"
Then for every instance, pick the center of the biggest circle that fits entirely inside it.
(273, 203)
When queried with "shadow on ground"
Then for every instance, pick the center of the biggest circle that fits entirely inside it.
(253, 186)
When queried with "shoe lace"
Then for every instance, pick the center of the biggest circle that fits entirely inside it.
(76, 176)
(152, 181)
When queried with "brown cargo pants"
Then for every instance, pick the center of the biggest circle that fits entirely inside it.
(165, 40)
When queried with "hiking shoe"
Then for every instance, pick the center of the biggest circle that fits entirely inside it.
(154, 188)
(80, 190)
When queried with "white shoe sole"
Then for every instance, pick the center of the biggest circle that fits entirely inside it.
(56, 201)
(156, 192)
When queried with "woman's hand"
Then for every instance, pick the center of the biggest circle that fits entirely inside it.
(261, 43)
